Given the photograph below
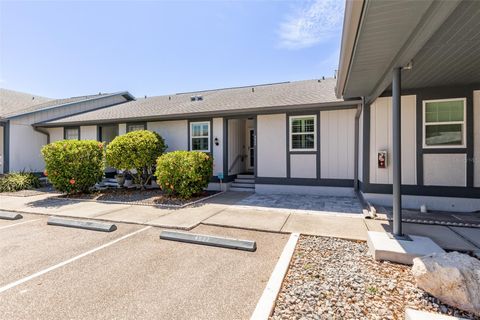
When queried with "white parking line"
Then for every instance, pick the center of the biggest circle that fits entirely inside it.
(61, 264)
(16, 224)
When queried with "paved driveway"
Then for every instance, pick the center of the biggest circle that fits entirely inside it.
(49, 272)
(303, 203)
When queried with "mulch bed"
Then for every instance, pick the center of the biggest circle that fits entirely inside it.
(151, 197)
(337, 279)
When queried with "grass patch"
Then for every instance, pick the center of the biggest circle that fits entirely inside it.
(18, 181)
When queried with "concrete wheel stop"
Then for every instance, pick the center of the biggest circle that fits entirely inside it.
(80, 224)
(6, 215)
(245, 245)
(382, 246)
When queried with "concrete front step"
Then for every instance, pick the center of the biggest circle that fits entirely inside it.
(241, 189)
(245, 176)
(251, 181)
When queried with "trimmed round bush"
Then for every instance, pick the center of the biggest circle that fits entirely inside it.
(136, 152)
(184, 173)
(74, 166)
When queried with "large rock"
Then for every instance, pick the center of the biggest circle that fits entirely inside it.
(453, 277)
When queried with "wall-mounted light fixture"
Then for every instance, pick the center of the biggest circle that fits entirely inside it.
(217, 142)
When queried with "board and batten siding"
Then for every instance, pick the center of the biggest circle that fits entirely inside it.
(476, 138)
(88, 133)
(56, 134)
(303, 166)
(217, 132)
(381, 139)
(337, 144)
(272, 145)
(174, 132)
(445, 170)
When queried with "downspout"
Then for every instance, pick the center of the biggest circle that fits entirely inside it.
(357, 149)
(44, 132)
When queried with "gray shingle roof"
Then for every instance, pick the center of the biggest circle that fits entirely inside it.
(220, 100)
(10, 103)
(13, 101)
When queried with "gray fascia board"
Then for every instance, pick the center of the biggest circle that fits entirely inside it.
(349, 104)
(435, 16)
(122, 93)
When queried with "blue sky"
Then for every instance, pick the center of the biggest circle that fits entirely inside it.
(60, 49)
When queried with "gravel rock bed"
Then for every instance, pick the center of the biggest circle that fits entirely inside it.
(331, 278)
(151, 197)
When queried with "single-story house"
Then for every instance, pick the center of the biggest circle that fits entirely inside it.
(401, 117)
(21, 140)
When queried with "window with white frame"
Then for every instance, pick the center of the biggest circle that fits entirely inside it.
(135, 127)
(303, 133)
(72, 133)
(444, 123)
(200, 136)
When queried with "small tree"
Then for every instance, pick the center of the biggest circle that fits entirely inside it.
(74, 166)
(136, 152)
(184, 173)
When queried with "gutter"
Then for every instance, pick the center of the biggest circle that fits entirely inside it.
(357, 148)
(44, 132)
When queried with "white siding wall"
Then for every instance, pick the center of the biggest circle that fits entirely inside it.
(175, 133)
(122, 128)
(445, 170)
(56, 134)
(236, 145)
(381, 139)
(88, 132)
(476, 138)
(337, 146)
(217, 132)
(25, 145)
(303, 166)
(271, 145)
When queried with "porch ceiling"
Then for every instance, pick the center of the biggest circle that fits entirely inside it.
(441, 38)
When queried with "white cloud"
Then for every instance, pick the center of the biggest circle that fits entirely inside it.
(312, 23)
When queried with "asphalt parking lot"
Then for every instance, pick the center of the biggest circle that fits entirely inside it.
(50, 272)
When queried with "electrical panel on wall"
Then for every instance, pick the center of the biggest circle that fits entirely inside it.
(382, 159)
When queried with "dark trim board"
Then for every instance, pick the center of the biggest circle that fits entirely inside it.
(348, 183)
(230, 178)
(6, 146)
(415, 190)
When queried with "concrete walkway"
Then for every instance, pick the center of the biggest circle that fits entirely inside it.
(244, 210)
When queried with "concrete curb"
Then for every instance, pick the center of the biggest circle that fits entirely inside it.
(80, 224)
(165, 206)
(6, 215)
(229, 243)
(265, 305)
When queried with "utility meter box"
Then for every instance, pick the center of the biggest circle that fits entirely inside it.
(382, 159)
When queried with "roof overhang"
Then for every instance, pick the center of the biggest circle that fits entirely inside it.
(440, 38)
(125, 94)
(338, 105)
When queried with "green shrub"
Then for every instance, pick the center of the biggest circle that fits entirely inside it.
(136, 152)
(74, 166)
(184, 173)
(18, 181)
